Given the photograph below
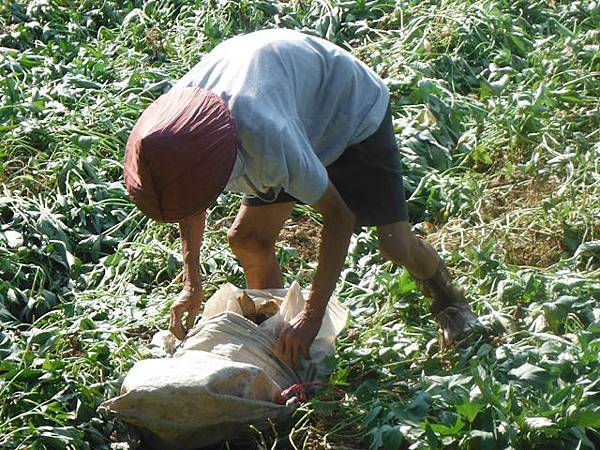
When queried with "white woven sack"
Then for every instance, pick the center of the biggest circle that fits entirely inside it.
(224, 376)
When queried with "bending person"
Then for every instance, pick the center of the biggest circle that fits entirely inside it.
(282, 117)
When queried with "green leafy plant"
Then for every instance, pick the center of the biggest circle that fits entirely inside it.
(496, 112)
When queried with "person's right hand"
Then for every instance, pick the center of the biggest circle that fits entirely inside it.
(188, 301)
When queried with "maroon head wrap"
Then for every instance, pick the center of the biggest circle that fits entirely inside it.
(180, 154)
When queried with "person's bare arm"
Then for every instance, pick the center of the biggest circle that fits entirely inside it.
(190, 299)
(338, 224)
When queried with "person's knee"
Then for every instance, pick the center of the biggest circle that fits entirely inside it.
(248, 244)
(394, 247)
(396, 242)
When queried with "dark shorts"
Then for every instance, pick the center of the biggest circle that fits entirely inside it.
(368, 176)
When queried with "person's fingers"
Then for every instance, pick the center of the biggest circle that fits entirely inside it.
(172, 320)
(175, 326)
(306, 352)
(191, 317)
(288, 351)
(281, 346)
(294, 353)
(290, 355)
(177, 331)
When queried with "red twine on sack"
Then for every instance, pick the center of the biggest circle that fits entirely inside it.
(298, 389)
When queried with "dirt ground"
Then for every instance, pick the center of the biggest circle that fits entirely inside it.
(511, 215)
(304, 234)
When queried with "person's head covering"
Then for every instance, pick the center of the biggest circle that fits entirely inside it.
(180, 154)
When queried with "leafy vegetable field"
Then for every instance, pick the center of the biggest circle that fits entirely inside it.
(496, 107)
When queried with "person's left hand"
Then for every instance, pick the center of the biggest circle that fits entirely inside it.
(295, 340)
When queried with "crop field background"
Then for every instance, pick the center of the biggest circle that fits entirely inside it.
(496, 109)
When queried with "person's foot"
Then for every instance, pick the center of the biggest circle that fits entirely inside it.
(449, 305)
(455, 321)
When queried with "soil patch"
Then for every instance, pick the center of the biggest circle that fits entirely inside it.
(509, 194)
(511, 215)
(303, 234)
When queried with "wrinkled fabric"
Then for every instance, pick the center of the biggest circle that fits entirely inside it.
(180, 154)
(225, 377)
(197, 399)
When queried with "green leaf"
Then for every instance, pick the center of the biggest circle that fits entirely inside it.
(446, 430)
(84, 412)
(469, 410)
(61, 437)
(485, 439)
(82, 83)
(421, 404)
(536, 423)
(85, 143)
(432, 439)
(531, 374)
(22, 375)
(337, 378)
(40, 336)
(373, 413)
(484, 350)
(589, 248)
(586, 417)
(391, 437)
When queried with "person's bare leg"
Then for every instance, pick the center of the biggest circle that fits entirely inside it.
(399, 244)
(252, 238)
(449, 306)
